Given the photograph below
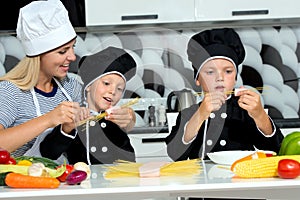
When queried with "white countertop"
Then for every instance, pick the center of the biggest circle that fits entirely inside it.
(214, 181)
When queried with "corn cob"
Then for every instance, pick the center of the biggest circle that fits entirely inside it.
(261, 167)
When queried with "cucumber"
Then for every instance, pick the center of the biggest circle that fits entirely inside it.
(2, 178)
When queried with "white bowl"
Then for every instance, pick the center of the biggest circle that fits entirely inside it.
(227, 157)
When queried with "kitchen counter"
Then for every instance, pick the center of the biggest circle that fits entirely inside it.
(214, 181)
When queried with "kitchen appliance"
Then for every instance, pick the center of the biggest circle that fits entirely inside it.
(152, 118)
(179, 100)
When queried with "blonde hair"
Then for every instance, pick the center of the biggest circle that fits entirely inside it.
(25, 74)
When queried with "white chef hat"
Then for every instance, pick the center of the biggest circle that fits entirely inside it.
(43, 26)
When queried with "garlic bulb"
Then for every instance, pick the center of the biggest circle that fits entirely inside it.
(37, 169)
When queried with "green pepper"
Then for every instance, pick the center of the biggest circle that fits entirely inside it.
(290, 144)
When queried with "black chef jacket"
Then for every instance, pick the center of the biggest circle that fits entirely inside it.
(105, 141)
(230, 128)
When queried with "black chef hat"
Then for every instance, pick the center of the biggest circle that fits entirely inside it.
(224, 43)
(107, 61)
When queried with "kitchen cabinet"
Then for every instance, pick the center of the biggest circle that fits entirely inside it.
(149, 146)
(100, 12)
(119, 15)
(206, 10)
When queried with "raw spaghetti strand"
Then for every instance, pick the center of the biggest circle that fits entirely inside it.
(232, 91)
(102, 115)
(131, 169)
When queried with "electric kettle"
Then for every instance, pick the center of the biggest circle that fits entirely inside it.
(179, 100)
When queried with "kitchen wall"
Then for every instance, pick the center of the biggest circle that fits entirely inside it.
(271, 64)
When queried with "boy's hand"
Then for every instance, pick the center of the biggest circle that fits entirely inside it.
(212, 101)
(250, 101)
(123, 117)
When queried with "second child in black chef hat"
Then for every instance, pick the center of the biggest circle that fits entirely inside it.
(224, 119)
(103, 141)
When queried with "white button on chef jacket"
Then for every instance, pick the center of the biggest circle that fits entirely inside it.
(92, 123)
(103, 124)
(209, 142)
(93, 149)
(104, 149)
(223, 142)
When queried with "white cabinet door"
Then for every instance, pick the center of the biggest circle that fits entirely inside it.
(206, 10)
(118, 12)
(149, 147)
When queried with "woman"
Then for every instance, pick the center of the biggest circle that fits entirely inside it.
(100, 141)
(37, 94)
(221, 121)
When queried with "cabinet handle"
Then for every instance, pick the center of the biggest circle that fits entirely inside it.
(250, 12)
(139, 17)
(151, 140)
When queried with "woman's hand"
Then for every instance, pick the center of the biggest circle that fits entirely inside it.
(123, 117)
(82, 114)
(68, 114)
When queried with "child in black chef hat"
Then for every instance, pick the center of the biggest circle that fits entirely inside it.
(104, 75)
(223, 120)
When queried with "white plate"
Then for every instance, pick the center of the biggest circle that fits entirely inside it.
(227, 157)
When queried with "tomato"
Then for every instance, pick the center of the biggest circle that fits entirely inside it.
(69, 169)
(11, 161)
(4, 156)
(288, 168)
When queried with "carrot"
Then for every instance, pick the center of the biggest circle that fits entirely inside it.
(16, 180)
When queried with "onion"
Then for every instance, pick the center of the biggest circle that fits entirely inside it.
(76, 177)
(83, 167)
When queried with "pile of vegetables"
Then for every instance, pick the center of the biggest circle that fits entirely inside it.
(267, 167)
(284, 165)
(39, 172)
